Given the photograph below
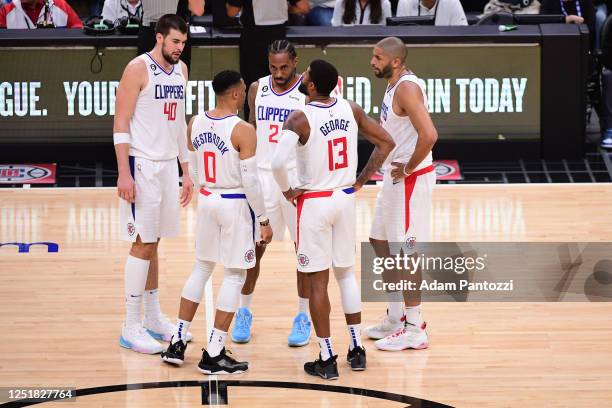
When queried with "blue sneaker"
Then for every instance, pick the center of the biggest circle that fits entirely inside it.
(241, 333)
(300, 334)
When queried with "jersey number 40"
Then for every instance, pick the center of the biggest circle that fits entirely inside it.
(170, 110)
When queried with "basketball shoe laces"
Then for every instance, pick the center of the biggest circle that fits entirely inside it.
(243, 320)
(302, 327)
(404, 329)
(399, 332)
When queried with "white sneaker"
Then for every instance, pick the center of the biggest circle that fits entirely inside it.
(162, 328)
(135, 337)
(409, 336)
(384, 328)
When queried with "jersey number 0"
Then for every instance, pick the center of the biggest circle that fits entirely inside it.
(210, 167)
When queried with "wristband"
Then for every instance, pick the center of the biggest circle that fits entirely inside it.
(119, 138)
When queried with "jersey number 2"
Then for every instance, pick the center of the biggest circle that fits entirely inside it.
(210, 167)
(337, 156)
(273, 134)
(170, 110)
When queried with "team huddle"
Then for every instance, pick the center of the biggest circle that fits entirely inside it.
(292, 165)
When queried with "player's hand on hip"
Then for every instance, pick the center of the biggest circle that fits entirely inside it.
(266, 234)
(399, 171)
(186, 190)
(292, 194)
(125, 187)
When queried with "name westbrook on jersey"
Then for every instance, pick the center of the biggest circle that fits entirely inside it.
(212, 138)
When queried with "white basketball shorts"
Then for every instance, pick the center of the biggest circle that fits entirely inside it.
(225, 230)
(403, 209)
(156, 211)
(326, 229)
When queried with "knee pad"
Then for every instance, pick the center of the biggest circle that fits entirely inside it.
(229, 293)
(194, 287)
(349, 290)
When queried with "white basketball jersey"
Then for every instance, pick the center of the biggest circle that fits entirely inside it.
(159, 116)
(218, 162)
(400, 127)
(271, 111)
(328, 160)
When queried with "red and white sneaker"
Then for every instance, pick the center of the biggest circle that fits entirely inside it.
(408, 337)
(384, 328)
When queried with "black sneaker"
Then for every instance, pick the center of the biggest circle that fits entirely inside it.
(222, 364)
(327, 369)
(357, 358)
(175, 354)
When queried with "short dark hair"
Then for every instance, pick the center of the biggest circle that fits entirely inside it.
(168, 22)
(224, 80)
(324, 76)
(282, 46)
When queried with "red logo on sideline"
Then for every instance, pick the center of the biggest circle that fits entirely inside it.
(27, 173)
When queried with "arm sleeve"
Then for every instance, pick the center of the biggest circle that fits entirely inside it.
(251, 185)
(287, 142)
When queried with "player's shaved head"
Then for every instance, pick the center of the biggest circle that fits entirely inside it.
(388, 57)
(394, 48)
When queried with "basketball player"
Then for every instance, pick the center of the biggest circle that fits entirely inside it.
(324, 135)
(403, 206)
(224, 156)
(271, 99)
(148, 135)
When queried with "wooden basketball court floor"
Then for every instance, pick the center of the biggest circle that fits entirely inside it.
(61, 313)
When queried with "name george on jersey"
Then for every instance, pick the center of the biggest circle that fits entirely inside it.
(272, 114)
(334, 124)
(169, 91)
(212, 138)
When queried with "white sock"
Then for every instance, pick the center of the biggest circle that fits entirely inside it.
(395, 309)
(135, 276)
(180, 331)
(354, 335)
(325, 344)
(303, 306)
(151, 304)
(245, 300)
(413, 315)
(216, 342)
